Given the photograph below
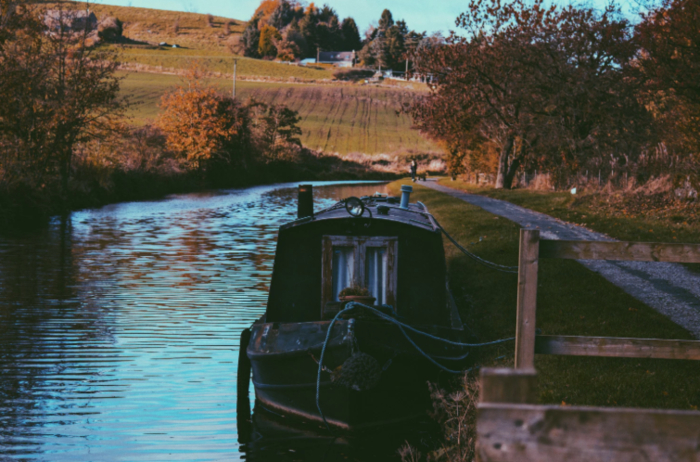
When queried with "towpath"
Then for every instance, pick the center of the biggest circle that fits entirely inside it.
(669, 288)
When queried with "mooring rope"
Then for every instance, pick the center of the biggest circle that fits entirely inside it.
(352, 305)
(489, 264)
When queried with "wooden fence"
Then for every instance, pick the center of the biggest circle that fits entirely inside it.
(510, 428)
(527, 343)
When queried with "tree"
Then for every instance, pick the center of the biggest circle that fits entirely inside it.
(250, 40)
(269, 36)
(351, 35)
(55, 94)
(669, 38)
(275, 130)
(394, 47)
(386, 20)
(546, 86)
(202, 125)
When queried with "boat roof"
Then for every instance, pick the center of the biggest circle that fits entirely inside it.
(415, 215)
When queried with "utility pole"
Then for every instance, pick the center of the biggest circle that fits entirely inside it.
(235, 64)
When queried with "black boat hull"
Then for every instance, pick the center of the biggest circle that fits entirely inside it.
(285, 362)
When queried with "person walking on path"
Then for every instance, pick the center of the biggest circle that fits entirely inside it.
(414, 169)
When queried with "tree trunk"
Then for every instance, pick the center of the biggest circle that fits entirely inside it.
(503, 179)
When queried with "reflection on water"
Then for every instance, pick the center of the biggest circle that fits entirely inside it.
(119, 330)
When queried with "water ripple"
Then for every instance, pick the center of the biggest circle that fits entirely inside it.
(119, 326)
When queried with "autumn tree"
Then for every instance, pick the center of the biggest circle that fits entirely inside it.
(55, 93)
(669, 39)
(269, 36)
(209, 129)
(203, 125)
(546, 86)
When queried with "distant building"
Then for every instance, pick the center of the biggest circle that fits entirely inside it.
(70, 20)
(336, 58)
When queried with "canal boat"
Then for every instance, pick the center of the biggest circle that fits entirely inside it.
(318, 357)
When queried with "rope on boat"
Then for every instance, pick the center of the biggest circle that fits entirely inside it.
(352, 305)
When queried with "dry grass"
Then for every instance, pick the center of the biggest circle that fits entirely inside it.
(154, 26)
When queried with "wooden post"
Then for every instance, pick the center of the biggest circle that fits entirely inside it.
(527, 299)
(504, 385)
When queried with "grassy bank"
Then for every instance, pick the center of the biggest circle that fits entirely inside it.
(626, 218)
(571, 301)
(342, 119)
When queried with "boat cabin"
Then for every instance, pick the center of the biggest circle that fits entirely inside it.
(392, 248)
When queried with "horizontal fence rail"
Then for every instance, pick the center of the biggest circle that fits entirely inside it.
(510, 428)
(532, 433)
(617, 347)
(620, 251)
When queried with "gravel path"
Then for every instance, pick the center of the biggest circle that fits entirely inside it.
(669, 288)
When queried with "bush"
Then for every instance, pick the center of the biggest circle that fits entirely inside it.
(352, 74)
(110, 29)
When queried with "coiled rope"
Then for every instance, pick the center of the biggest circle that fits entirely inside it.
(352, 305)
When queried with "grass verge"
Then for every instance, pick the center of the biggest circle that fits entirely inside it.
(571, 301)
(592, 211)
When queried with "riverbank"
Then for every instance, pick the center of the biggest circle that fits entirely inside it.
(572, 301)
(26, 208)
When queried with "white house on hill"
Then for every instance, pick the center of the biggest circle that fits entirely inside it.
(336, 58)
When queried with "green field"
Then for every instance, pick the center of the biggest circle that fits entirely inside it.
(335, 118)
(216, 61)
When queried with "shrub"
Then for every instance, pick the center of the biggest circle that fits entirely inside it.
(353, 74)
(110, 29)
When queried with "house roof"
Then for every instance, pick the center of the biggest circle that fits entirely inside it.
(336, 56)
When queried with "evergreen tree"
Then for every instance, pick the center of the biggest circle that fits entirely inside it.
(281, 16)
(394, 50)
(386, 21)
(351, 35)
(268, 38)
(250, 39)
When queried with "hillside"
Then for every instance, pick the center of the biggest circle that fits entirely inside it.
(343, 119)
(154, 26)
(335, 118)
(145, 29)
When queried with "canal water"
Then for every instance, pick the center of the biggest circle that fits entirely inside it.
(119, 331)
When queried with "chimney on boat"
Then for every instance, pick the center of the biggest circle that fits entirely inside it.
(306, 201)
(406, 191)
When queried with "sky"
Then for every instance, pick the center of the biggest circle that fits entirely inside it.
(429, 16)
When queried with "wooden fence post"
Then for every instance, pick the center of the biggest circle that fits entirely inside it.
(527, 299)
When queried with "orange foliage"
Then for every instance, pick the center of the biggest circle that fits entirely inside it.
(199, 123)
(265, 10)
